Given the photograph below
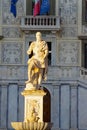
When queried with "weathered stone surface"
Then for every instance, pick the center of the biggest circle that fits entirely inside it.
(12, 53)
(68, 102)
(7, 16)
(11, 32)
(69, 52)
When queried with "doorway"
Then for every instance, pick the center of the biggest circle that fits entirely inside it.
(84, 54)
(47, 106)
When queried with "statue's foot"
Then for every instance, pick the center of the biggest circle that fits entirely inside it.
(40, 88)
(28, 81)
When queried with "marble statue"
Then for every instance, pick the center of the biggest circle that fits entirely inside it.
(38, 63)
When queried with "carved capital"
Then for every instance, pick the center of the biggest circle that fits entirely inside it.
(56, 85)
(73, 128)
(74, 85)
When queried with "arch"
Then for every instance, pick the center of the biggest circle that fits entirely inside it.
(47, 106)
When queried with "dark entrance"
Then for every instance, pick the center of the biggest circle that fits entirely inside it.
(85, 55)
(47, 107)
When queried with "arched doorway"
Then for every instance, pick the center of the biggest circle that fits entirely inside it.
(47, 106)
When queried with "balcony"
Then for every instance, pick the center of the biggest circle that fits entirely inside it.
(44, 23)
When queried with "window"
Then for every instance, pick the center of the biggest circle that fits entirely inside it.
(29, 7)
(84, 54)
(84, 12)
(32, 52)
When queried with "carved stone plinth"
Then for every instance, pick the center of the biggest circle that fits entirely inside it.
(33, 112)
(31, 125)
(33, 105)
(30, 86)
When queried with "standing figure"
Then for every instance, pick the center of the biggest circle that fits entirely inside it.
(38, 63)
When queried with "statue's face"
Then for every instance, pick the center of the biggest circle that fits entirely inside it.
(38, 36)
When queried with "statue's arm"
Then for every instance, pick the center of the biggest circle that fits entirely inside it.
(46, 51)
(30, 49)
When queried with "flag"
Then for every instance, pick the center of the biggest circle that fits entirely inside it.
(13, 7)
(45, 7)
(36, 10)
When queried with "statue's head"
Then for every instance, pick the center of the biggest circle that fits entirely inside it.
(38, 36)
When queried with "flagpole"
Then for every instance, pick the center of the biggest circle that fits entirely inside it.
(25, 8)
(57, 7)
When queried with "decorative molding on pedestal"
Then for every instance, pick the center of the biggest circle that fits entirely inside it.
(33, 92)
(31, 125)
(33, 104)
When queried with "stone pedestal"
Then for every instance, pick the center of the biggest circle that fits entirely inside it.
(33, 111)
(33, 105)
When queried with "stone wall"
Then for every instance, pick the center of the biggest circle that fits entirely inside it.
(70, 110)
(68, 92)
(68, 104)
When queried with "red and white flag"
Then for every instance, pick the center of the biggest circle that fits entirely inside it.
(36, 10)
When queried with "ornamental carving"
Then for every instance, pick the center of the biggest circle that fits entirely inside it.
(69, 53)
(7, 16)
(68, 11)
(13, 71)
(11, 32)
(32, 110)
(69, 32)
(12, 53)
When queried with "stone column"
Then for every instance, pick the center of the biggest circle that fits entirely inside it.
(1, 20)
(74, 107)
(56, 115)
(33, 108)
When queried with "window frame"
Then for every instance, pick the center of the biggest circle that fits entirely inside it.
(48, 38)
(84, 42)
(53, 12)
(84, 5)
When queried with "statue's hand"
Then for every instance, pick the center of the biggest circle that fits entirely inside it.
(42, 61)
(28, 52)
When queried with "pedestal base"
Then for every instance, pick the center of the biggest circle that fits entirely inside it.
(33, 105)
(30, 86)
(31, 125)
(33, 114)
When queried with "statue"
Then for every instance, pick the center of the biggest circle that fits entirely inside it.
(33, 117)
(38, 63)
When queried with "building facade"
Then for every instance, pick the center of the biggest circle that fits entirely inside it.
(65, 31)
